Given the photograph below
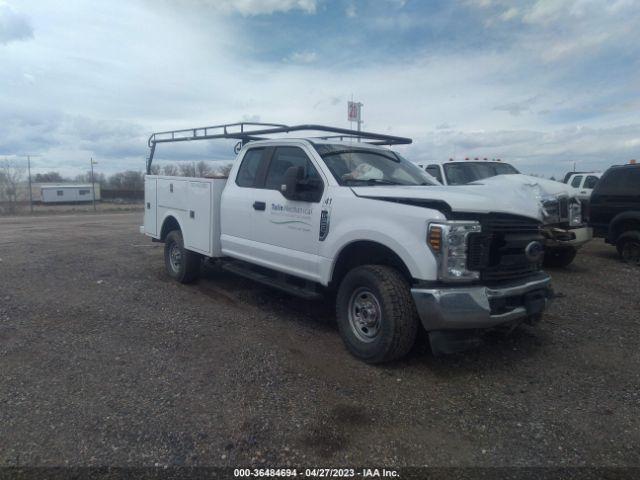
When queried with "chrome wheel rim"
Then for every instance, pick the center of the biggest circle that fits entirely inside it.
(631, 252)
(365, 315)
(175, 257)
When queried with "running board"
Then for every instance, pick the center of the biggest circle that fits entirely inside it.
(308, 292)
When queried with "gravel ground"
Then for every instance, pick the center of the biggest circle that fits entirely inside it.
(105, 361)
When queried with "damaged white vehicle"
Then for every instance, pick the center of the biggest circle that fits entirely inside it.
(341, 216)
(565, 226)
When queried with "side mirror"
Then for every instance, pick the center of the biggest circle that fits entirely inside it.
(289, 188)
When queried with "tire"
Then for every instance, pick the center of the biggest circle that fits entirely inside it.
(386, 326)
(559, 257)
(181, 264)
(628, 246)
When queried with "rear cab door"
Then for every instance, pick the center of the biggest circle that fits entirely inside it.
(238, 204)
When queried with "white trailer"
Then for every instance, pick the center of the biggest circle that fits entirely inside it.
(66, 193)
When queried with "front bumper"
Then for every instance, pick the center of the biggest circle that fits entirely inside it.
(573, 237)
(478, 307)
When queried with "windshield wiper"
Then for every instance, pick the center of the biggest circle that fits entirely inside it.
(374, 181)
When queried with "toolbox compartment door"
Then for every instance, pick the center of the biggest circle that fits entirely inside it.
(198, 217)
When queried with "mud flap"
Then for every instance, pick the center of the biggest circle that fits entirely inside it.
(446, 342)
(535, 302)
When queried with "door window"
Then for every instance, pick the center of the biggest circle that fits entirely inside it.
(575, 183)
(249, 168)
(434, 171)
(285, 158)
(590, 181)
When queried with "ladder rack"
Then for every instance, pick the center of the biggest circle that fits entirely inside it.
(251, 131)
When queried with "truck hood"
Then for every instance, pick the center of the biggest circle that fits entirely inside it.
(539, 186)
(465, 198)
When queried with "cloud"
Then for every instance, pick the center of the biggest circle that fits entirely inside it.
(96, 83)
(261, 7)
(517, 108)
(351, 11)
(251, 118)
(14, 26)
(509, 14)
(302, 57)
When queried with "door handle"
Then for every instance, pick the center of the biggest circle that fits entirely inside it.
(259, 205)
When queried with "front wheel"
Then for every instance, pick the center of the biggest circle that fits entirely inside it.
(628, 246)
(181, 264)
(559, 256)
(376, 314)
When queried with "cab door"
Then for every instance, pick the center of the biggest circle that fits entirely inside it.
(238, 205)
(287, 232)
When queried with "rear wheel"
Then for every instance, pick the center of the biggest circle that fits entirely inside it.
(628, 246)
(559, 257)
(376, 315)
(181, 264)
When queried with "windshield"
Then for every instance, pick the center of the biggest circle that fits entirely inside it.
(463, 173)
(353, 166)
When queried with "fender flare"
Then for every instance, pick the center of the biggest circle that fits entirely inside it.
(335, 266)
(168, 217)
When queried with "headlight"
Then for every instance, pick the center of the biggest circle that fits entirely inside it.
(449, 241)
(575, 213)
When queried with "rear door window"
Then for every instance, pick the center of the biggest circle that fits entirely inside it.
(575, 183)
(248, 171)
(620, 181)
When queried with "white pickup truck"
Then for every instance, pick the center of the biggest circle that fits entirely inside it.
(584, 183)
(322, 215)
(565, 227)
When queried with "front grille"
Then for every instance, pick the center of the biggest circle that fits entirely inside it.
(563, 208)
(498, 252)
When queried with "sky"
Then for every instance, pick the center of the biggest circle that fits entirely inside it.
(542, 84)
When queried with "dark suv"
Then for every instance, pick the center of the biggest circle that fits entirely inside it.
(615, 210)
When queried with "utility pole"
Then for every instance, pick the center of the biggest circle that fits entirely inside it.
(93, 185)
(30, 191)
(29, 173)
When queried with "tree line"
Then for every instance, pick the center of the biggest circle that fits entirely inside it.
(14, 179)
(134, 180)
